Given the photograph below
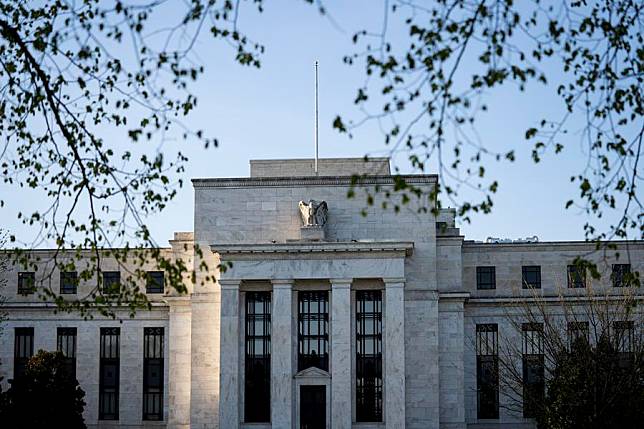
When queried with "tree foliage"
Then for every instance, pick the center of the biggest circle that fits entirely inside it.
(45, 396)
(427, 95)
(591, 353)
(72, 72)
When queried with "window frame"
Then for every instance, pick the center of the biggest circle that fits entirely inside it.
(66, 341)
(109, 286)
(533, 362)
(485, 270)
(29, 277)
(617, 276)
(573, 328)
(528, 269)
(153, 359)
(369, 379)
(307, 319)
(257, 366)
(65, 288)
(152, 285)
(576, 279)
(110, 357)
(23, 349)
(487, 360)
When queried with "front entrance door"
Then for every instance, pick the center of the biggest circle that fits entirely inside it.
(312, 407)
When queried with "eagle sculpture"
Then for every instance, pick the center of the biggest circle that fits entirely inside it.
(314, 213)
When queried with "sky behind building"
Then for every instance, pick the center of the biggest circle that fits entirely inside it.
(269, 113)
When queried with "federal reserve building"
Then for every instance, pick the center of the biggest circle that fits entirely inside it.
(330, 312)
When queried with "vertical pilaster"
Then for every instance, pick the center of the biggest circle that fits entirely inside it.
(179, 364)
(394, 353)
(229, 352)
(341, 353)
(281, 357)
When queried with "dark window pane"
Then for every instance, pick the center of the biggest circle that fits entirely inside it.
(108, 397)
(23, 350)
(153, 363)
(68, 282)
(111, 282)
(313, 330)
(621, 274)
(66, 344)
(531, 277)
(257, 393)
(533, 368)
(486, 277)
(576, 276)
(155, 282)
(26, 283)
(577, 331)
(369, 356)
(487, 371)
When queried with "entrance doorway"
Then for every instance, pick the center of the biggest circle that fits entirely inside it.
(312, 407)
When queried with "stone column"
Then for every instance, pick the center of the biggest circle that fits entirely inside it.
(281, 356)
(394, 353)
(179, 362)
(341, 353)
(229, 352)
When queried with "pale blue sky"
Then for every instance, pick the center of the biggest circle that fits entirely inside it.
(268, 113)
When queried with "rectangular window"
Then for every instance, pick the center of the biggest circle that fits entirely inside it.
(577, 331)
(68, 282)
(531, 276)
(153, 373)
(26, 283)
(533, 368)
(487, 371)
(66, 344)
(111, 282)
(23, 350)
(576, 276)
(108, 390)
(624, 341)
(369, 356)
(155, 282)
(257, 392)
(313, 330)
(486, 277)
(620, 274)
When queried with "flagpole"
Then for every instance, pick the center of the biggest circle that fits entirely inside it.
(316, 118)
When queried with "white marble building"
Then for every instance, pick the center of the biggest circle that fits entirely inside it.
(356, 320)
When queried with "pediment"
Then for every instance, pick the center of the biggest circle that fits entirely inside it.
(313, 372)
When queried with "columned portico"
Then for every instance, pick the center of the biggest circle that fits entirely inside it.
(341, 353)
(281, 357)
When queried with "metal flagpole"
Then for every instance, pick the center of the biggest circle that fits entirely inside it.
(316, 118)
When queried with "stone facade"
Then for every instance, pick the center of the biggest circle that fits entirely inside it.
(424, 268)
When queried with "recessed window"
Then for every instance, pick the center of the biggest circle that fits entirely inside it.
(26, 283)
(487, 371)
(531, 276)
(23, 350)
(576, 277)
(153, 374)
(257, 392)
(154, 282)
(369, 356)
(577, 331)
(66, 344)
(620, 274)
(68, 282)
(109, 374)
(533, 368)
(111, 282)
(313, 330)
(486, 277)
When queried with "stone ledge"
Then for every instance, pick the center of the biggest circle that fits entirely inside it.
(318, 247)
(287, 182)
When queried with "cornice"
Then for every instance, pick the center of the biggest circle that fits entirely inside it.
(287, 182)
(404, 247)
